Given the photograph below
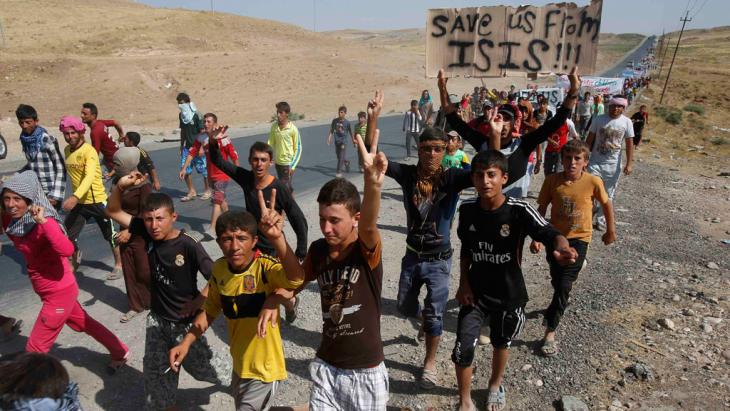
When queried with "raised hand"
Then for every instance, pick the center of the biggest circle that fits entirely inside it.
(132, 179)
(574, 80)
(442, 79)
(374, 164)
(272, 223)
(376, 104)
(38, 214)
(219, 133)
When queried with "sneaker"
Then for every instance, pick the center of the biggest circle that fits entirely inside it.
(429, 379)
(206, 195)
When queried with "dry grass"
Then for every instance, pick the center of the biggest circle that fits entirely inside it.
(700, 78)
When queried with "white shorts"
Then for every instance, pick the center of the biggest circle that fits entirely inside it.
(339, 389)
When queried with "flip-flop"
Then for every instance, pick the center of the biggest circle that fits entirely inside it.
(497, 398)
(206, 195)
(115, 274)
(187, 198)
(429, 379)
(126, 317)
(549, 348)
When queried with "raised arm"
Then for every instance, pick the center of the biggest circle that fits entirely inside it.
(271, 226)
(214, 151)
(114, 204)
(374, 167)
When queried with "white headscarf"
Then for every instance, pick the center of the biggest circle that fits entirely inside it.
(26, 185)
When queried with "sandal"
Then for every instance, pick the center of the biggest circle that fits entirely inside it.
(206, 195)
(126, 317)
(10, 329)
(496, 400)
(187, 198)
(115, 274)
(549, 348)
(115, 365)
(290, 316)
(429, 379)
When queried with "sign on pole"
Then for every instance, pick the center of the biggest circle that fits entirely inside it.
(502, 40)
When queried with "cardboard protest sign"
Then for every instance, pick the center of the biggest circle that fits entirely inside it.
(554, 95)
(596, 85)
(502, 40)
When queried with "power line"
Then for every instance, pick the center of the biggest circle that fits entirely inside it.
(700, 9)
(666, 81)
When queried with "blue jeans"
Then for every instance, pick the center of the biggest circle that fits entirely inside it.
(435, 275)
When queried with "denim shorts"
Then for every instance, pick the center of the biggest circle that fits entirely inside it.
(415, 273)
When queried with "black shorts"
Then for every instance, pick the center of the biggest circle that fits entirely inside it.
(76, 220)
(504, 326)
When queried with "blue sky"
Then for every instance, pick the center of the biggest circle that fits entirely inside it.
(619, 16)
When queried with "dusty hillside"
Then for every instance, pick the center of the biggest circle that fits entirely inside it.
(131, 60)
(690, 131)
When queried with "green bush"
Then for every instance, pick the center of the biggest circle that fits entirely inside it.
(670, 114)
(695, 108)
(718, 141)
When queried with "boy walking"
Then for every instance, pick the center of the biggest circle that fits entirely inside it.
(241, 282)
(42, 154)
(492, 289)
(570, 194)
(89, 196)
(361, 129)
(218, 180)
(608, 133)
(412, 126)
(190, 128)
(287, 143)
(175, 259)
(348, 372)
(340, 128)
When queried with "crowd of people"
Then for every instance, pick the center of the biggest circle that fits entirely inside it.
(260, 272)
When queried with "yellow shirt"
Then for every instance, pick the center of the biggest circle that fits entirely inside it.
(240, 296)
(287, 144)
(84, 171)
(572, 203)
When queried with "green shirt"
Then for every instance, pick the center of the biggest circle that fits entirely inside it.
(455, 160)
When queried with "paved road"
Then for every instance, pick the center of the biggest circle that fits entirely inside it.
(635, 56)
(316, 167)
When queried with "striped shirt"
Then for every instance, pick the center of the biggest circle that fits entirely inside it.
(412, 122)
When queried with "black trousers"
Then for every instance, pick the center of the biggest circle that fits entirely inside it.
(562, 281)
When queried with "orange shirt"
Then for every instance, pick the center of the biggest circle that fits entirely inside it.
(572, 203)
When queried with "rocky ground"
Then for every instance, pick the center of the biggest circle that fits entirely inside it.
(647, 327)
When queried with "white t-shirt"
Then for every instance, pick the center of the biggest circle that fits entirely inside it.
(610, 136)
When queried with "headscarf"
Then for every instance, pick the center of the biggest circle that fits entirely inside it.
(427, 177)
(73, 123)
(423, 101)
(26, 184)
(618, 101)
(33, 143)
(187, 112)
(126, 160)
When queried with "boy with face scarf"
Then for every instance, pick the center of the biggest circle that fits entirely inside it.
(430, 194)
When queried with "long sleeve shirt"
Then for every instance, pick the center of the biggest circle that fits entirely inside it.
(519, 149)
(429, 220)
(46, 250)
(284, 200)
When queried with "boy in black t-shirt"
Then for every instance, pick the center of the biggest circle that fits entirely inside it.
(492, 229)
(175, 259)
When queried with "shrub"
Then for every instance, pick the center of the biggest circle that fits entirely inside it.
(670, 114)
(695, 108)
(718, 140)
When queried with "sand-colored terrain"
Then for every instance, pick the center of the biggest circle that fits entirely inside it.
(132, 60)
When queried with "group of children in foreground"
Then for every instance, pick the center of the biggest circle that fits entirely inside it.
(248, 287)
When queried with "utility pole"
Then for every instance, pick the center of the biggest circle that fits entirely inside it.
(684, 21)
(314, 15)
